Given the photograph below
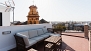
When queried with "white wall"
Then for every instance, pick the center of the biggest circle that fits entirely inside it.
(5, 16)
(7, 41)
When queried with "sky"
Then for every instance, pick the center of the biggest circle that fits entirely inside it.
(53, 10)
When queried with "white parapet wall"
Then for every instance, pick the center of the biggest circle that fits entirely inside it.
(7, 41)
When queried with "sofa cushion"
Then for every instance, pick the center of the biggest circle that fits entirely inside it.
(25, 33)
(39, 38)
(40, 31)
(44, 35)
(45, 30)
(26, 40)
(32, 33)
(31, 42)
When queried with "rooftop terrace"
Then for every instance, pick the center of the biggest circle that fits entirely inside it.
(70, 42)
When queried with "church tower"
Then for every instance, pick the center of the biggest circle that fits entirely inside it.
(33, 16)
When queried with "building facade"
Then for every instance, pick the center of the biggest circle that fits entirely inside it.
(33, 16)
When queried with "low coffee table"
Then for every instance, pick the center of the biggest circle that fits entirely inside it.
(32, 49)
(53, 40)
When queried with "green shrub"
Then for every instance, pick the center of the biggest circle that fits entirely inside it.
(59, 27)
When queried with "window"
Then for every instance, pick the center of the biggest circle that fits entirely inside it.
(30, 22)
(34, 22)
(29, 18)
(37, 18)
(0, 19)
(32, 18)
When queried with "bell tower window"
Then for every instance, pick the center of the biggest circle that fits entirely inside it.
(34, 22)
(30, 22)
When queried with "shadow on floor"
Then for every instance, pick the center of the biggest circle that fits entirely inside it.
(73, 35)
(63, 47)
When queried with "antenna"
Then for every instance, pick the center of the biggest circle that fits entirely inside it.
(7, 3)
(13, 8)
(10, 5)
(13, 3)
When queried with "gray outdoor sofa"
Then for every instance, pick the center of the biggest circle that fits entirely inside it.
(28, 38)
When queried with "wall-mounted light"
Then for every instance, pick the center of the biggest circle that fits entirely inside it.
(6, 32)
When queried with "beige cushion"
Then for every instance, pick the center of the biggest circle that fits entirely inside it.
(40, 31)
(25, 33)
(45, 30)
(26, 40)
(32, 33)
